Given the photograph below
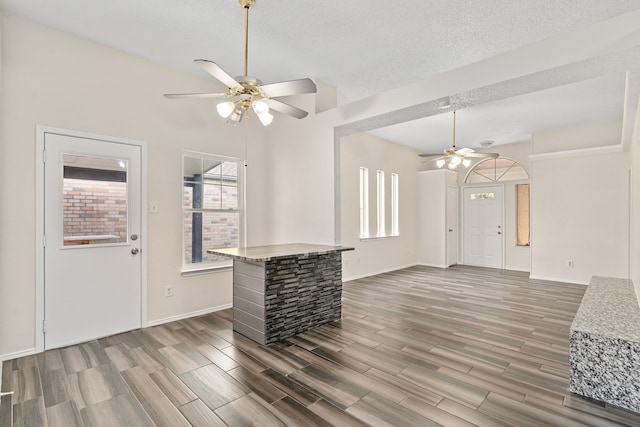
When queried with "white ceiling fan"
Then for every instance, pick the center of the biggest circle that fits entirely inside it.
(247, 92)
(453, 157)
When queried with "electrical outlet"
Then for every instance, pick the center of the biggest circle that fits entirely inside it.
(168, 291)
(570, 264)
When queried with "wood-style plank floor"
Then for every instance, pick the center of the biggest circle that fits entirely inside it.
(419, 346)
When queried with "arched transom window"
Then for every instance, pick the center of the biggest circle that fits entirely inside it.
(494, 170)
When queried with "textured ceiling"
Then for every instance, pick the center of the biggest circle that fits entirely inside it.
(363, 47)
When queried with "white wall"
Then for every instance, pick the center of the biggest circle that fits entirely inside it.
(595, 135)
(634, 252)
(54, 79)
(580, 211)
(300, 168)
(373, 256)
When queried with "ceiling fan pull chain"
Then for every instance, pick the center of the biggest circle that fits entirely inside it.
(454, 130)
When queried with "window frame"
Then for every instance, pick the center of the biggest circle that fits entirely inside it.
(364, 202)
(187, 268)
(381, 204)
(395, 204)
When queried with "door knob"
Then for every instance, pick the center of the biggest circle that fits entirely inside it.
(135, 251)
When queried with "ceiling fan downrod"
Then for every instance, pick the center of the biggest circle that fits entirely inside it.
(246, 5)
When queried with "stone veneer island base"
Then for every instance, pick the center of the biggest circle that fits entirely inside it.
(605, 344)
(282, 290)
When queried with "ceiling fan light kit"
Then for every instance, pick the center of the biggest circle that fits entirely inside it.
(245, 93)
(453, 158)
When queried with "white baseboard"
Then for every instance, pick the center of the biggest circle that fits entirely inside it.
(362, 276)
(555, 279)
(432, 265)
(187, 315)
(10, 356)
(29, 352)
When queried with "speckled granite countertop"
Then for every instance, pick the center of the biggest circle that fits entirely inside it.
(609, 308)
(266, 253)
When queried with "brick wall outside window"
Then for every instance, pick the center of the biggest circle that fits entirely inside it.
(95, 208)
(219, 229)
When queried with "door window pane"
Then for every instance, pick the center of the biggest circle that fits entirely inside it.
(94, 200)
(482, 196)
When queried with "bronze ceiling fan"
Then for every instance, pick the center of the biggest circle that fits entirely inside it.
(246, 92)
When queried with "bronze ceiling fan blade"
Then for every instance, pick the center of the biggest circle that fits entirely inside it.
(217, 72)
(291, 87)
(193, 95)
(284, 108)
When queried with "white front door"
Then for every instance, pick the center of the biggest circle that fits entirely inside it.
(482, 222)
(452, 225)
(92, 222)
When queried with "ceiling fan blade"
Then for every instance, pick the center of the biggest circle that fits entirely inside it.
(217, 72)
(193, 95)
(465, 151)
(290, 110)
(430, 155)
(483, 155)
(291, 87)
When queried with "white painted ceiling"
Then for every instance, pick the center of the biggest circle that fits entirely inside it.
(366, 47)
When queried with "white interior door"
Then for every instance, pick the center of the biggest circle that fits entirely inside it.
(482, 221)
(92, 265)
(452, 225)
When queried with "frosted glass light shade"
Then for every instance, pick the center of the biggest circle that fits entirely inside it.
(440, 163)
(225, 109)
(265, 118)
(261, 107)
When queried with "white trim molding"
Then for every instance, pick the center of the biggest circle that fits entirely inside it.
(16, 355)
(188, 315)
(555, 279)
(592, 151)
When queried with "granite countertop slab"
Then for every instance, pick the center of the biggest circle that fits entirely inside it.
(609, 308)
(266, 253)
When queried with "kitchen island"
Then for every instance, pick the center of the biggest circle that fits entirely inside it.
(282, 290)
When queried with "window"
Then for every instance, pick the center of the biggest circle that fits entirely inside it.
(494, 170)
(481, 196)
(364, 202)
(212, 208)
(94, 191)
(386, 208)
(395, 218)
(522, 212)
(381, 204)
